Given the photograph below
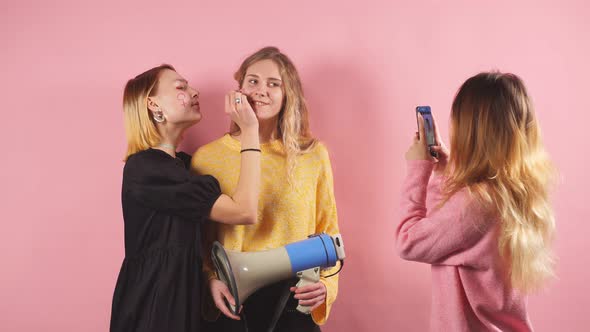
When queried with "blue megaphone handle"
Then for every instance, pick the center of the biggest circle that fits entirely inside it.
(318, 250)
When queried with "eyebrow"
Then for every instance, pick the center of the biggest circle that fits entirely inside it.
(270, 78)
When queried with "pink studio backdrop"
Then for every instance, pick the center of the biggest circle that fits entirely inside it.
(365, 65)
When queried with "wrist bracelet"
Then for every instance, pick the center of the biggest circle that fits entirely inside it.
(244, 150)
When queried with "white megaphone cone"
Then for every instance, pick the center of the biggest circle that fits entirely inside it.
(246, 272)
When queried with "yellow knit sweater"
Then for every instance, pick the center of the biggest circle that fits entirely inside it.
(285, 213)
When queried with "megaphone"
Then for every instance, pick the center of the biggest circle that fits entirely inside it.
(246, 272)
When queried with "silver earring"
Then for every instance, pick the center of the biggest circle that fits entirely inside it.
(159, 117)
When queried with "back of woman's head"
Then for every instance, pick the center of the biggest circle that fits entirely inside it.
(496, 152)
(140, 128)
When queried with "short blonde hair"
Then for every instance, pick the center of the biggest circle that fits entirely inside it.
(140, 128)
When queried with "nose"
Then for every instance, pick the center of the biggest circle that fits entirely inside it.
(261, 90)
(194, 93)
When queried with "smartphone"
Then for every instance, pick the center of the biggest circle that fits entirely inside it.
(428, 127)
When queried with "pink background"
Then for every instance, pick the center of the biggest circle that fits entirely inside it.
(365, 65)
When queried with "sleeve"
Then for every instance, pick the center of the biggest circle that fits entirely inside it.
(209, 311)
(327, 222)
(440, 235)
(171, 189)
(209, 230)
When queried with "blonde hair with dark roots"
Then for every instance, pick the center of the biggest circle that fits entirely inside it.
(139, 125)
(293, 123)
(497, 153)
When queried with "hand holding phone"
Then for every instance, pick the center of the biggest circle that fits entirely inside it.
(426, 113)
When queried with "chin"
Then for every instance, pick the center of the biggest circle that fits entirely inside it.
(194, 120)
(265, 116)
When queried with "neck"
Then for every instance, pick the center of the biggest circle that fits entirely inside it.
(267, 130)
(170, 141)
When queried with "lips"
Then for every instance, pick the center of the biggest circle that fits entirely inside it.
(195, 105)
(260, 103)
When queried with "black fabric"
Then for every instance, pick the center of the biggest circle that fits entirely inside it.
(158, 288)
(259, 309)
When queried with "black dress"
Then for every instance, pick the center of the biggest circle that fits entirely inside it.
(158, 288)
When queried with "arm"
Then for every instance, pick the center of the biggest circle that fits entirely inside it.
(440, 235)
(242, 206)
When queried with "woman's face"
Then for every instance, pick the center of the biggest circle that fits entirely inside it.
(264, 88)
(177, 100)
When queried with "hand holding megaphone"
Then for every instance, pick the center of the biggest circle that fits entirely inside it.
(245, 272)
(223, 298)
(310, 291)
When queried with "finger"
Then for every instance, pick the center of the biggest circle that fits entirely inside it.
(308, 288)
(309, 295)
(238, 100)
(227, 294)
(311, 302)
(246, 102)
(233, 101)
(436, 148)
(223, 307)
(441, 152)
(422, 137)
(227, 312)
(436, 133)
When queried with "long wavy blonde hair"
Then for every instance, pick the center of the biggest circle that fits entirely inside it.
(293, 123)
(497, 153)
(140, 128)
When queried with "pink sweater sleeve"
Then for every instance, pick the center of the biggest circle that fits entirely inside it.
(441, 234)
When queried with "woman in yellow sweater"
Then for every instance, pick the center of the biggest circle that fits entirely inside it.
(296, 195)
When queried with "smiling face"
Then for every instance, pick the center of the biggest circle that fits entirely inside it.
(175, 100)
(264, 88)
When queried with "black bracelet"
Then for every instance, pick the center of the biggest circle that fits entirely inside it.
(244, 150)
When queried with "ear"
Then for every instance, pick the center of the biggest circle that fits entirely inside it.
(152, 105)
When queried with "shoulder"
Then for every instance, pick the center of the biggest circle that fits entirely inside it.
(316, 160)
(319, 151)
(149, 156)
(319, 155)
(152, 163)
(221, 144)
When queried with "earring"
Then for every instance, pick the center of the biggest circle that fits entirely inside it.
(159, 117)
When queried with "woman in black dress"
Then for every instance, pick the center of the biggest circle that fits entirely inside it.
(164, 203)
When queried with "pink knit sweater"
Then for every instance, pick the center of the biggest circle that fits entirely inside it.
(460, 241)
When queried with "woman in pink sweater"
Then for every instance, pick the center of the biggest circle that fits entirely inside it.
(480, 214)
